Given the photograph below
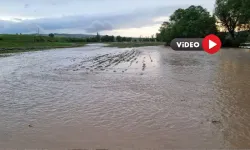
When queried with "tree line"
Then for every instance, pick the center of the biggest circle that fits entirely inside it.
(108, 38)
(230, 21)
(111, 38)
(104, 38)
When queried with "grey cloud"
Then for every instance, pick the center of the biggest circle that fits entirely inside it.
(93, 23)
(26, 5)
(2, 24)
(58, 8)
(97, 26)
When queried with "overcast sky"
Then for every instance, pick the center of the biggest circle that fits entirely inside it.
(118, 17)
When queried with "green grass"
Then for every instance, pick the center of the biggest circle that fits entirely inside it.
(39, 47)
(133, 44)
(24, 43)
(10, 43)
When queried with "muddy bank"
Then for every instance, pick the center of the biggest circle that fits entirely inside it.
(97, 97)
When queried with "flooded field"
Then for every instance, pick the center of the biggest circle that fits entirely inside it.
(97, 97)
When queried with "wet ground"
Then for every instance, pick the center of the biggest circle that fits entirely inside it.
(136, 98)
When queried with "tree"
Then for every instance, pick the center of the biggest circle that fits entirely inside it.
(233, 14)
(158, 37)
(51, 35)
(193, 22)
(107, 38)
(152, 38)
(245, 20)
(130, 39)
(112, 38)
(140, 39)
(98, 37)
(124, 39)
(119, 38)
(165, 31)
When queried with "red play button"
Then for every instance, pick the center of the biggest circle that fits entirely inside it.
(211, 44)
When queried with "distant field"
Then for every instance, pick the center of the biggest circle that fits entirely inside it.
(133, 44)
(23, 43)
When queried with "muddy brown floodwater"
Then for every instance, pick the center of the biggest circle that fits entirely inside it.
(96, 97)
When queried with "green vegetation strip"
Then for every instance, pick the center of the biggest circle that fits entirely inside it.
(133, 44)
(25, 43)
(34, 47)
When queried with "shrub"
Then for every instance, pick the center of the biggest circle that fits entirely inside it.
(51, 35)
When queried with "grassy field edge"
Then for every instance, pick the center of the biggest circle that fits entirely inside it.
(39, 48)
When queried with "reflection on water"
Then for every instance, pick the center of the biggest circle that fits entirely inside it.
(153, 97)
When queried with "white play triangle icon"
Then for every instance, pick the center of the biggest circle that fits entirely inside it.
(211, 44)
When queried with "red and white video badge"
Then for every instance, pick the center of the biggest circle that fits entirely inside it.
(211, 44)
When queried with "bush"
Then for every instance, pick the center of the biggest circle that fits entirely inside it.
(50, 40)
(227, 41)
(40, 39)
(248, 38)
(51, 35)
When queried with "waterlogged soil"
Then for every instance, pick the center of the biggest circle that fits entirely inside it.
(96, 97)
